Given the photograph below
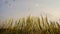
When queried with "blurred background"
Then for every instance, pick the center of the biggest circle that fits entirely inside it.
(21, 8)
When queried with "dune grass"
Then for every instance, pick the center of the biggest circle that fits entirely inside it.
(30, 25)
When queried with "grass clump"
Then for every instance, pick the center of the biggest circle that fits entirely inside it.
(30, 25)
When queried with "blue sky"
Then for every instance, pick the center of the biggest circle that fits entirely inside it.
(21, 8)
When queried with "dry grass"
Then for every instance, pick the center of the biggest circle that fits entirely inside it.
(31, 25)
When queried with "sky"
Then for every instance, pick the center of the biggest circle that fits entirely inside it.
(21, 8)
